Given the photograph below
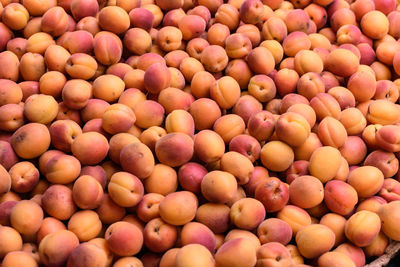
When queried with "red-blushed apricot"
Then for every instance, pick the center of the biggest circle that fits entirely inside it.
(178, 208)
(277, 156)
(384, 161)
(85, 224)
(273, 252)
(198, 233)
(174, 99)
(260, 60)
(49, 250)
(87, 192)
(192, 26)
(246, 106)
(366, 180)
(159, 236)
(87, 251)
(12, 240)
(107, 48)
(240, 71)
(147, 209)
(30, 140)
(320, 159)
(267, 232)
(137, 159)
(185, 255)
(215, 216)
(356, 225)
(354, 143)
(63, 133)
(58, 202)
(82, 9)
(83, 148)
(242, 247)
(272, 193)
(174, 149)
(117, 234)
(340, 197)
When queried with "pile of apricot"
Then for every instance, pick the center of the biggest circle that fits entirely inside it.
(180, 133)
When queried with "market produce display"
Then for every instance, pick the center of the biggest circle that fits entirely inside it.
(204, 133)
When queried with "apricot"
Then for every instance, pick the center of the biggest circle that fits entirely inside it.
(366, 180)
(307, 237)
(87, 192)
(242, 247)
(58, 202)
(117, 232)
(218, 186)
(375, 24)
(137, 159)
(389, 219)
(306, 192)
(356, 224)
(50, 251)
(30, 140)
(184, 201)
(82, 148)
(12, 240)
(184, 256)
(11, 73)
(329, 258)
(85, 224)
